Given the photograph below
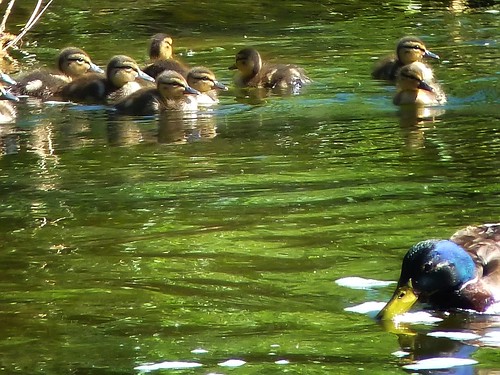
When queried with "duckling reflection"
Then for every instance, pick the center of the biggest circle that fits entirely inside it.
(171, 93)
(412, 88)
(120, 81)
(176, 127)
(161, 56)
(7, 110)
(409, 49)
(203, 80)
(252, 71)
(44, 84)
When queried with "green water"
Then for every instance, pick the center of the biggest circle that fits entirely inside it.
(133, 241)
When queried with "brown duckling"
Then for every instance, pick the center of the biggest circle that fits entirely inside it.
(162, 57)
(72, 63)
(119, 82)
(253, 72)
(171, 93)
(7, 111)
(203, 80)
(412, 88)
(408, 50)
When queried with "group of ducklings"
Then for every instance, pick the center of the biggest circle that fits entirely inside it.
(168, 84)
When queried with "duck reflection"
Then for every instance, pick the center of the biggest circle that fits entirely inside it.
(420, 343)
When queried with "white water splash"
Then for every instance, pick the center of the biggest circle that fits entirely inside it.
(354, 282)
(171, 365)
(454, 335)
(440, 363)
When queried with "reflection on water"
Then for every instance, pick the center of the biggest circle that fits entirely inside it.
(216, 235)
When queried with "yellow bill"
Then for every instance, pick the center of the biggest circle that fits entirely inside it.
(401, 301)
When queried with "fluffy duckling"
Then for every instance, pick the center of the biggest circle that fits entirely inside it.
(71, 63)
(161, 56)
(171, 93)
(253, 72)
(408, 50)
(119, 82)
(412, 88)
(462, 272)
(7, 110)
(203, 80)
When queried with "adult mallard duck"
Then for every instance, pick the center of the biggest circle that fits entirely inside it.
(119, 82)
(413, 88)
(409, 49)
(203, 80)
(7, 110)
(71, 63)
(254, 72)
(161, 54)
(171, 93)
(462, 272)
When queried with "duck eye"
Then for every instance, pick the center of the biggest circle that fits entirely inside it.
(427, 267)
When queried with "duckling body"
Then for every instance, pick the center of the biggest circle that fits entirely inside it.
(408, 50)
(203, 80)
(413, 88)
(7, 110)
(119, 82)
(161, 56)
(253, 72)
(72, 63)
(462, 272)
(172, 93)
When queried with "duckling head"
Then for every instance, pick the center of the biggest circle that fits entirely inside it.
(430, 268)
(74, 62)
(122, 69)
(203, 80)
(411, 49)
(172, 86)
(161, 47)
(411, 78)
(248, 62)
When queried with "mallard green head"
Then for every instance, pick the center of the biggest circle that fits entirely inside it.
(203, 80)
(161, 47)
(172, 86)
(74, 62)
(430, 269)
(122, 69)
(411, 48)
(248, 62)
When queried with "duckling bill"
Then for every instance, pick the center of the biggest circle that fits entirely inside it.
(462, 272)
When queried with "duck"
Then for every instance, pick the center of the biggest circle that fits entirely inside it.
(462, 272)
(252, 71)
(162, 57)
(413, 88)
(119, 82)
(72, 63)
(172, 92)
(7, 110)
(203, 80)
(408, 50)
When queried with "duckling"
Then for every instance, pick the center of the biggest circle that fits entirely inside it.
(203, 80)
(412, 88)
(409, 49)
(7, 110)
(171, 93)
(462, 272)
(119, 82)
(72, 63)
(161, 56)
(253, 72)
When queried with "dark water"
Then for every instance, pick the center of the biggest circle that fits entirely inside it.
(127, 242)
